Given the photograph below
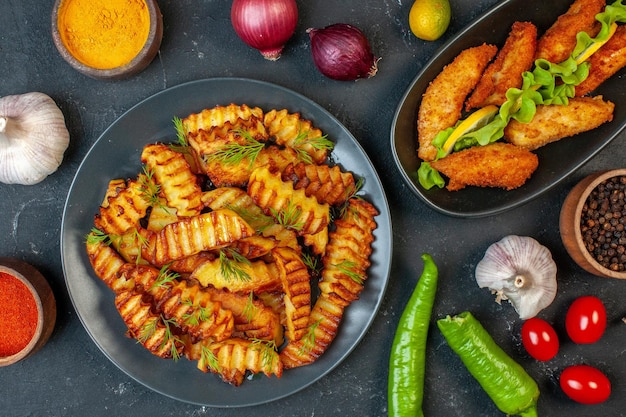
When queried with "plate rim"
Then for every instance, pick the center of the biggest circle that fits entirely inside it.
(385, 245)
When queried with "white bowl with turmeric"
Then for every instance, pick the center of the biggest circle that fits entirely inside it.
(107, 39)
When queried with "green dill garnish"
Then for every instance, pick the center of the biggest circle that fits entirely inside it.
(308, 340)
(317, 143)
(164, 279)
(250, 309)
(196, 314)
(257, 219)
(288, 216)
(148, 188)
(351, 192)
(169, 336)
(98, 236)
(147, 330)
(209, 360)
(311, 261)
(181, 145)
(347, 267)
(235, 267)
(268, 352)
(235, 153)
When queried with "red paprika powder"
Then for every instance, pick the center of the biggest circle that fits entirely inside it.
(18, 315)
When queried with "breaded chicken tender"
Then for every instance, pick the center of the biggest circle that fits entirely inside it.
(499, 165)
(516, 56)
(558, 42)
(554, 122)
(443, 99)
(605, 62)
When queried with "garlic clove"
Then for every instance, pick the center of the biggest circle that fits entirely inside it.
(33, 138)
(520, 269)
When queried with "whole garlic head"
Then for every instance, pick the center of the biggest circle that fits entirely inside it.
(521, 270)
(33, 138)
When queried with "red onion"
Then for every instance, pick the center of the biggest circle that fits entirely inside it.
(265, 25)
(342, 52)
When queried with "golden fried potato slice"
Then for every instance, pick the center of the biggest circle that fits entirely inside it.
(499, 164)
(240, 202)
(516, 56)
(226, 153)
(218, 116)
(290, 207)
(555, 122)
(296, 284)
(146, 326)
(327, 184)
(123, 209)
(277, 159)
(191, 235)
(187, 265)
(290, 129)
(193, 309)
(317, 242)
(253, 319)
(558, 42)
(443, 99)
(605, 62)
(113, 188)
(234, 276)
(234, 357)
(174, 178)
(160, 216)
(106, 262)
(254, 247)
(345, 265)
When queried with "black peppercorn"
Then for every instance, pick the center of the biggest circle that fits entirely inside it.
(602, 224)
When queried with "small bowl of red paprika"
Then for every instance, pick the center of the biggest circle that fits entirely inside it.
(27, 311)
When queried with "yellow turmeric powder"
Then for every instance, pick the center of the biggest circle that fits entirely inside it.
(104, 34)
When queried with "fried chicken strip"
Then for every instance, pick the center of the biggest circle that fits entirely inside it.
(605, 62)
(444, 97)
(558, 42)
(496, 165)
(554, 122)
(515, 57)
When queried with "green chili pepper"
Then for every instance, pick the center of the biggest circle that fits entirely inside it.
(408, 352)
(512, 390)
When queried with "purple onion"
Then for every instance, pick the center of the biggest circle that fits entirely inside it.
(265, 25)
(342, 52)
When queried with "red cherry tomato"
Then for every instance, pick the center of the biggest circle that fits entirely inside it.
(540, 339)
(585, 384)
(585, 320)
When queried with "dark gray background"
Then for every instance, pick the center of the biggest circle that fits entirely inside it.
(71, 376)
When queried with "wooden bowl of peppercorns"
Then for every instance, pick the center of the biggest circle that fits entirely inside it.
(593, 223)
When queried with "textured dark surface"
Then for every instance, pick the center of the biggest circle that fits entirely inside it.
(70, 376)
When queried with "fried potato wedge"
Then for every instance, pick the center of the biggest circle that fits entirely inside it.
(327, 184)
(124, 207)
(146, 326)
(234, 357)
(499, 164)
(555, 122)
(345, 265)
(193, 309)
(288, 206)
(218, 116)
(290, 129)
(207, 231)
(296, 286)
(228, 274)
(443, 99)
(106, 262)
(253, 319)
(174, 178)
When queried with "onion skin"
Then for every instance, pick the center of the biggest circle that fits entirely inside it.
(342, 52)
(265, 25)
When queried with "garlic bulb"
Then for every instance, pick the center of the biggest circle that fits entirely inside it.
(521, 270)
(33, 138)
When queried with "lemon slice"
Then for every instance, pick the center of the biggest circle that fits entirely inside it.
(475, 121)
(584, 55)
